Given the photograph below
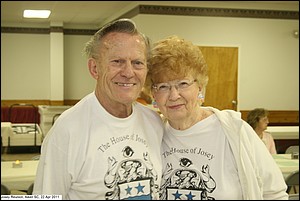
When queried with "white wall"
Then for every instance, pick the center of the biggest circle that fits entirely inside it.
(25, 66)
(268, 74)
(77, 80)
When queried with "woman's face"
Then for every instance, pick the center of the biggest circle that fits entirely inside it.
(176, 99)
(263, 123)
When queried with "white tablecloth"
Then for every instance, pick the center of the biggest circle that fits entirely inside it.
(284, 132)
(6, 130)
(18, 178)
(21, 134)
(286, 164)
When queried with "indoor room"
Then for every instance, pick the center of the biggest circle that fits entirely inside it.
(251, 49)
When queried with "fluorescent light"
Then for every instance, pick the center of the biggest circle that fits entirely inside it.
(36, 13)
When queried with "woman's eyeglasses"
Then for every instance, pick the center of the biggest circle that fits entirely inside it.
(179, 85)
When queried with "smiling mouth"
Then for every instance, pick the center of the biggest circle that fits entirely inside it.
(175, 106)
(125, 84)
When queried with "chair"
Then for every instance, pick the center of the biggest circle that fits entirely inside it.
(54, 118)
(292, 149)
(292, 180)
(4, 190)
(30, 189)
(294, 196)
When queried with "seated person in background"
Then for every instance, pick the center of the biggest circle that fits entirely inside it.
(258, 119)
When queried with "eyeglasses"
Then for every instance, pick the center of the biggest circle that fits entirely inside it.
(179, 85)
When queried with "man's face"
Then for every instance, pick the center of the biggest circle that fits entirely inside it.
(122, 67)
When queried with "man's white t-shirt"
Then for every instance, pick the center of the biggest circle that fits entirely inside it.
(90, 154)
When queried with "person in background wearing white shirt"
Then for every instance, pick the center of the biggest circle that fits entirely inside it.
(258, 120)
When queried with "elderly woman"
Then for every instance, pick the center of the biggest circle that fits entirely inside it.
(258, 120)
(207, 153)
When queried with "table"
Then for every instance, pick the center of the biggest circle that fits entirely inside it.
(286, 164)
(6, 130)
(284, 136)
(18, 178)
(284, 132)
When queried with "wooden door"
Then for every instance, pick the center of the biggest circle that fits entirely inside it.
(221, 90)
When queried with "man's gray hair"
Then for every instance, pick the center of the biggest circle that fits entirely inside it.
(91, 49)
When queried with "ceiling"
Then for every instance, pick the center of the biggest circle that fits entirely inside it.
(93, 14)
